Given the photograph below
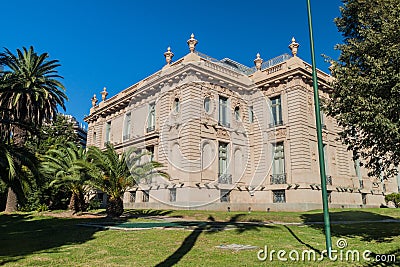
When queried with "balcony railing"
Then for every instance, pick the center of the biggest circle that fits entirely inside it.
(106, 143)
(275, 124)
(225, 178)
(150, 128)
(329, 180)
(278, 178)
(224, 124)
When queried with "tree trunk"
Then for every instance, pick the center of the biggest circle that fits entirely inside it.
(77, 202)
(19, 137)
(12, 201)
(72, 201)
(115, 207)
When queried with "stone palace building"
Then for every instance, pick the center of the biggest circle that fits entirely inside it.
(232, 137)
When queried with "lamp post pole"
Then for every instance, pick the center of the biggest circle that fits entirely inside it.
(319, 137)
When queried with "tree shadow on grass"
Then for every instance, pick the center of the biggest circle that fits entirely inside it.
(361, 224)
(354, 224)
(142, 213)
(301, 241)
(25, 234)
(209, 227)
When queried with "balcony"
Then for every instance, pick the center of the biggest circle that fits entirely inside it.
(278, 178)
(225, 178)
(329, 180)
(150, 129)
(107, 143)
(224, 124)
(275, 124)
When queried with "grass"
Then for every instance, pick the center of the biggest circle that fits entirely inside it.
(30, 239)
(287, 217)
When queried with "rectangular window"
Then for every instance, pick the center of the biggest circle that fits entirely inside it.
(151, 123)
(326, 159)
(132, 196)
(251, 114)
(278, 163)
(94, 138)
(276, 110)
(223, 111)
(108, 132)
(329, 196)
(364, 198)
(127, 126)
(225, 195)
(145, 195)
(322, 115)
(150, 149)
(279, 196)
(398, 180)
(223, 176)
(172, 195)
(357, 169)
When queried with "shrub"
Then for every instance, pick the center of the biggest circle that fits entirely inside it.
(395, 198)
(94, 204)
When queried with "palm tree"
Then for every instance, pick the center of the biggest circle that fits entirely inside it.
(68, 166)
(115, 173)
(15, 162)
(30, 94)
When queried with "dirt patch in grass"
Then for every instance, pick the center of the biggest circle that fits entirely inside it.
(71, 214)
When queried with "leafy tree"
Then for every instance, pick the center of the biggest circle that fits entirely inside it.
(114, 174)
(30, 93)
(57, 133)
(67, 166)
(365, 99)
(52, 135)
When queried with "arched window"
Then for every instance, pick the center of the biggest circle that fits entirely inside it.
(176, 105)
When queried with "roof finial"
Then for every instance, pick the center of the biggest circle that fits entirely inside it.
(168, 55)
(258, 62)
(192, 43)
(293, 46)
(94, 100)
(104, 94)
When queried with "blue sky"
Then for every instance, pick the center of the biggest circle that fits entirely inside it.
(117, 43)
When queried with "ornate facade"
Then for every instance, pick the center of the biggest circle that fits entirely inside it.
(232, 137)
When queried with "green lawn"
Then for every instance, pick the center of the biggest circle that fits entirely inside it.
(29, 239)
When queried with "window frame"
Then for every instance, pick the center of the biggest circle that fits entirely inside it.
(276, 111)
(279, 196)
(172, 194)
(223, 111)
(151, 120)
(225, 195)
(127, 126)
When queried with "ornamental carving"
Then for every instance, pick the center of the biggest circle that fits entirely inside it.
(280, 133)
(325, 136)
(277, 134)
(222, 133)
(310, 105)
(333, 158)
